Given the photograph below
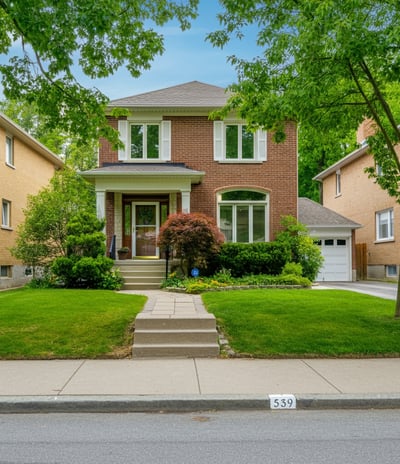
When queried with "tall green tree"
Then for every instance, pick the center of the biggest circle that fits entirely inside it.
(43, 234)
(326, 65)
(59, 39)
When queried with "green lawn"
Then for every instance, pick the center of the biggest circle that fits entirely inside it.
(57, 323)
(296, 323)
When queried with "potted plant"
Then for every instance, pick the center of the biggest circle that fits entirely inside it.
(123, 253)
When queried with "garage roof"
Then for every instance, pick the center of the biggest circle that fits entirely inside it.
(314, 214)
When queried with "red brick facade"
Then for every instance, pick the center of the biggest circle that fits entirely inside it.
(192, 143)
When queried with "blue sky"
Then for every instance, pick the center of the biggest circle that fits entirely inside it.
(187, 57)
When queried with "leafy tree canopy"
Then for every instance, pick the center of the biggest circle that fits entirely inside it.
(98, 37)
(75, 153)
(327, 65)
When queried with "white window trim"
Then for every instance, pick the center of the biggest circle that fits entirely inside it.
(259, 149)
(9, 150)
(164, 141)
(236, 203)
(6, 214)
(338, 183)
(378, 216)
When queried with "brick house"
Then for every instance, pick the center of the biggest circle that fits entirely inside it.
(26, 166)
(176, 159)
(348, 190)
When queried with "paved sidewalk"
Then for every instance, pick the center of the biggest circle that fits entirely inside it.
(196, 384)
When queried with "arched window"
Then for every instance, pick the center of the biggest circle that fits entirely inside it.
(243, 215)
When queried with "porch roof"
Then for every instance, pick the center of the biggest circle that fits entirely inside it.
(145, 169)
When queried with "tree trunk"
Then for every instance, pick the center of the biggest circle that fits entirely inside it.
(397, 311)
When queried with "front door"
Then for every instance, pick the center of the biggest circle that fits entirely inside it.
(145, 225)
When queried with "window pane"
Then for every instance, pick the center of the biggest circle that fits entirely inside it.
(226, 221)
(9, 151)
(243, 195)
(136, 141)
(385, 225)
(242, 226)
(5, 215)
(127, 219)
(247, 144)
(258, 223)
(231, 142)
(152, 141)
(329, 242)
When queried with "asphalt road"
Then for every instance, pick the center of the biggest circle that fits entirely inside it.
(295, 437)
(386, 290)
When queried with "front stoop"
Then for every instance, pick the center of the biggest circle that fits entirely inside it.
(141, 274)
(175, 334)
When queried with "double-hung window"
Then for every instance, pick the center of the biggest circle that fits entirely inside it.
(6, 213)
(145, 141)
(234, 142)
(243, 216)
(384, 225)
(9, 150)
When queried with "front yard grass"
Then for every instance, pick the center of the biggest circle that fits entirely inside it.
(306, 323)
(60, 323)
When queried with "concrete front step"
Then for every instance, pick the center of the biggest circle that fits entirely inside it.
(190, 350)
(204, 322)
(175, 336)
(141, 274)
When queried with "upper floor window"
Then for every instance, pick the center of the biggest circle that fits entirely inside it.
(384, 225)
(9, 150)
(6, 213)
(145, 141)
(338, 183)
(243, 216)
(235, 142)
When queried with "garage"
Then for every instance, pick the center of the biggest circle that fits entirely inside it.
(334, 234)
(337, 260)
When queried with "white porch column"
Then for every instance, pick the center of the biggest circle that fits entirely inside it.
(185, 201)
(101, 204)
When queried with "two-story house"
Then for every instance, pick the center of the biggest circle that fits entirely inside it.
(176, 159)
(348, 190)
(26, 166)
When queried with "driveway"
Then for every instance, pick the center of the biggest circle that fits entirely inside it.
(381, 289)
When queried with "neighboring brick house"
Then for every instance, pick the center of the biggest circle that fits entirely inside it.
(26, 166)
(348, 190)
(176, 159)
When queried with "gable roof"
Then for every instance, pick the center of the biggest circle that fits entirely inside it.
(342, 162)
(311, 213)
(15, 130)
(193, 94)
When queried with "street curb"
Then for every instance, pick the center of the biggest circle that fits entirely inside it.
(189, 403)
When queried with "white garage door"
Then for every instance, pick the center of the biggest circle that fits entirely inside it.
(336, 255)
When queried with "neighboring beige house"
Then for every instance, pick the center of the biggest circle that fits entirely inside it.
(25, 167)
(348, 190)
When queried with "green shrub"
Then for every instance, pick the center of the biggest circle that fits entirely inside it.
(253, 258)
(292, 269)
(302, 248)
